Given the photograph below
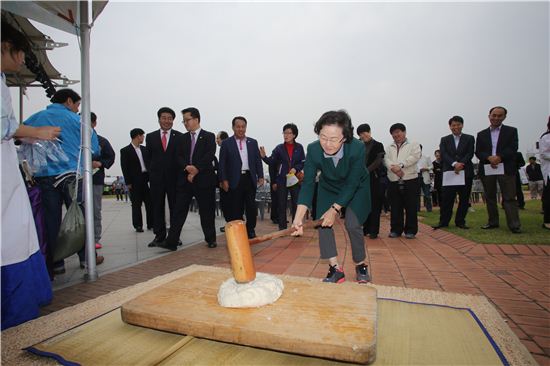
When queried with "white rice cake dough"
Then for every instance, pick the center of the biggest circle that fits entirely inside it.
(264, 290)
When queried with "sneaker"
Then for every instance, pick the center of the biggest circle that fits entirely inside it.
(410, 236)
(362, 272)
(98, 246)
(394, 235)
(335, 275)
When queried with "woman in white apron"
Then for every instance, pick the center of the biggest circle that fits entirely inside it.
(25, 282)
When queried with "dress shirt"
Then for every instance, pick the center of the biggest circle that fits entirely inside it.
(168, 132)
(495, 133)
(336, 157)
(243, 151)
(140, 157)
(457, 141)
(196, 132)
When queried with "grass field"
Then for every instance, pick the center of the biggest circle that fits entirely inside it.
(531, 225)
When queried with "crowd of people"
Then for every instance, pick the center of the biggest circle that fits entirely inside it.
(336, 176)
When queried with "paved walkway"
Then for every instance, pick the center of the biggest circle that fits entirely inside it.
(516, 278)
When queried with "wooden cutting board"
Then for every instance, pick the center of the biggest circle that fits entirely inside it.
(313, 318)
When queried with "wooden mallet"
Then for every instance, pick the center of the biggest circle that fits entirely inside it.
(238, 245)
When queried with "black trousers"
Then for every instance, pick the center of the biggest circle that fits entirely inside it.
(519, 191)
(404, 199)
(274, 214)
(206, 199)
(282, 198)
(159, 191)
(507, 184)
(224, 204)
(243, 200)
(448, 200)
(372, 224)
(546, 202)
(140, 194)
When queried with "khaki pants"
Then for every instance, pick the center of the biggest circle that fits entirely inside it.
(535, 188)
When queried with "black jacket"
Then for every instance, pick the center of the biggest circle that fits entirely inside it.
(507, 146)
(463, 153)
(106, 157)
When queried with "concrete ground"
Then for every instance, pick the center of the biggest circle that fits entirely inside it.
(515, 278)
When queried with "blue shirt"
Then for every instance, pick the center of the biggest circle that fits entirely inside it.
(59, 115)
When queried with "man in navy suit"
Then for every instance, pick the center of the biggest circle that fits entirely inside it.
(161, 155)
(497, 145)
(457, 151)
(241, 172)
(134, 169)
(196, 177)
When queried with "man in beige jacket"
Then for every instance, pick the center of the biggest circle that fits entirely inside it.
(401, 160)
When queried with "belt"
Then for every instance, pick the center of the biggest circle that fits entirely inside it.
(245, 171)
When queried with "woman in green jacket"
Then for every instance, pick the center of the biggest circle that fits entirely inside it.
(343, 182)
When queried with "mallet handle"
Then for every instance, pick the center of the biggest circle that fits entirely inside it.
(281, 233)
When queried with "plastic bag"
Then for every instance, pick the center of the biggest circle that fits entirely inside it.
(72, 233)
(38, 152)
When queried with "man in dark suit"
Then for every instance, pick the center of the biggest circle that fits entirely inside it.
(220, 137)
(196, 177)
(241, 172)
(134, 168)
(457, 151)
(374, 158)
(498, 145)
(162, 168)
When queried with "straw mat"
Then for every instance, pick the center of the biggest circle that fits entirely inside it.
(415, 327)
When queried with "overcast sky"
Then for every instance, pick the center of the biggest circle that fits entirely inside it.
(415, 63)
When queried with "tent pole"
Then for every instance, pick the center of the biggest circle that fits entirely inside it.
(20, 104)
(86, 142)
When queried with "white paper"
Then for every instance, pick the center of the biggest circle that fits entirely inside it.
(450, 178)
(489, 170)
(291, 180)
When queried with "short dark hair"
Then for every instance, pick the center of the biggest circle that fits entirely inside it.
(236, 118)
(166, 110)
(223, 135)
(532, 158)
(363, 127)
(437, 151)
(193, 111)
(93, 117)
(499, 107)
(292, 127)
(339, 118)
(456, 119)
(136, 132)
(62, 95)
(15, 38)
(398, 126)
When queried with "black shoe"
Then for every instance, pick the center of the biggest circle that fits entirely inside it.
(276, 222)
(251, 235)
(439, 226)
(139, 229)
(462, 226)
(212, 245)
(165, 245)
(373, 236)
(149, 228)
(155, 243)
(516, 230)
(394, 235)
(180, 243)
(222, 229)
(489, 226)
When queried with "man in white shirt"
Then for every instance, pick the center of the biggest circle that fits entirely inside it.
(134, 169)
(424, 165)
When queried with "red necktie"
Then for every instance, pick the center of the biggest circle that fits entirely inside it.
(164, 141)
(241, 145)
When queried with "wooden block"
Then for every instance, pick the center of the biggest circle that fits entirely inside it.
(336, 321)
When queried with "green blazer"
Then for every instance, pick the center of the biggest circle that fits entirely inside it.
(347, 184)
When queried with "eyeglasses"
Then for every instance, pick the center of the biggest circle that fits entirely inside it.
(332, 140)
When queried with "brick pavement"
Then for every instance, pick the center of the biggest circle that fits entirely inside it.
(514, 277)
